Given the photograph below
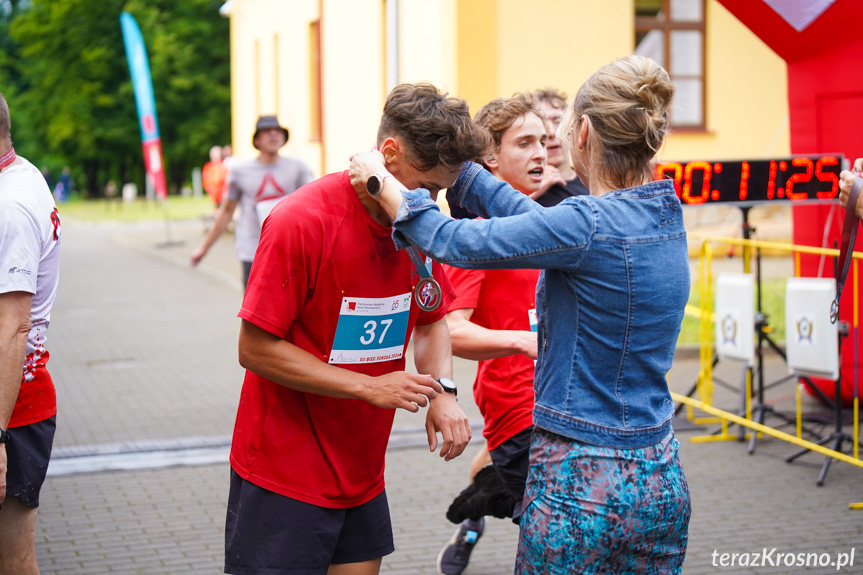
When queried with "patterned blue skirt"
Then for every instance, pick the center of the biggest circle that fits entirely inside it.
(599, 510)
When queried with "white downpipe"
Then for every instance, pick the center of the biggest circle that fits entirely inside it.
(392, 47)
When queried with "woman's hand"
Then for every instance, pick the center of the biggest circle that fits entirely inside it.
(362, 166)
(846, 181)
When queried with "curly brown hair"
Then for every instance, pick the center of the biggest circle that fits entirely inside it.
(435, 128)
(500, 114)
(553, 96)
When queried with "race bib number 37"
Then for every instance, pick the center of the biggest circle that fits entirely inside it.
(371, 330)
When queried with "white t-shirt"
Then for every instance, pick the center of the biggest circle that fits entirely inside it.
(29, 249)
(258, 187)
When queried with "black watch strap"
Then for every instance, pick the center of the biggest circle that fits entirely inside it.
(4, 436)
(448, 385)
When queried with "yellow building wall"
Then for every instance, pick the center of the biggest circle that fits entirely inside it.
(479, 50)
(568, 43)
(508, 46)
(476, 39)
(427, 52)
(747, 97)
(353, 74)
(269, 73)
(500, 52)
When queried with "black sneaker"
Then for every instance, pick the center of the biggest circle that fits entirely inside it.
(453, 558)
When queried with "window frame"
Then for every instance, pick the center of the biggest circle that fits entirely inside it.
(644, 24)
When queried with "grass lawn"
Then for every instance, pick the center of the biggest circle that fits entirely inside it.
(174, 208)
(772, 303)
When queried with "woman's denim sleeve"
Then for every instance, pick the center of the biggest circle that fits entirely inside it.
(542, 238)
(479, 192)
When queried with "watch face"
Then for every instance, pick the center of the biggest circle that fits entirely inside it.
(447, 384)
(373, 185)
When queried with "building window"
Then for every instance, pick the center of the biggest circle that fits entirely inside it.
(671, 32)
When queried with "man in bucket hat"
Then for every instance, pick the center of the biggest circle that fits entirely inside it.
(256, 186)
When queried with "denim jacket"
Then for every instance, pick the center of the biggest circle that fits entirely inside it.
(610, 299)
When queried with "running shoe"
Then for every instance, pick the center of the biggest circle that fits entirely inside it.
(454, 557)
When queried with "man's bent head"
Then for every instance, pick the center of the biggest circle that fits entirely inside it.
(427, 136)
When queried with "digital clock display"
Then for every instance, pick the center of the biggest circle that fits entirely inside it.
(797, 179)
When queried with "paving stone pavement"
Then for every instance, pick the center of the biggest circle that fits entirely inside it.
(143, 349)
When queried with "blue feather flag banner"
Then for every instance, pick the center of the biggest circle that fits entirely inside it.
(139, 69)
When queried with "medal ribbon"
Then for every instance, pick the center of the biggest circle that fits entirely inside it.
(434, 291)
(7, 158)
(849, 235)
(422, 270)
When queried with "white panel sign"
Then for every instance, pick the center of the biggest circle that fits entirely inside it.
(811, 341)
(800, 13)
(735, 317)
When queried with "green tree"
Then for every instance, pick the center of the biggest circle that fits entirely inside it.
(77, 98)
(189, 54)
(9, 77)
(11, 82)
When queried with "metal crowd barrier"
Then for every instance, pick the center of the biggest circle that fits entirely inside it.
(704, 283)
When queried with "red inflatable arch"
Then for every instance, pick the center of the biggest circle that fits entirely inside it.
(822, 43)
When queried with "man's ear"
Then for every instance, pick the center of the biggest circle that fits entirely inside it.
(391, 150)
(490, 160)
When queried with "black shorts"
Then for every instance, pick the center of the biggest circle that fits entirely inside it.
(269, 533)
(247, 270)
(511, 461)
(27, 453)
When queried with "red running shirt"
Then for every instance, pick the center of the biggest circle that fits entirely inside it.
(320, 247)
(503, 389)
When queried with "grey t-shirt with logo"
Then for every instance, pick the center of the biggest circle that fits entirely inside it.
(257, 187)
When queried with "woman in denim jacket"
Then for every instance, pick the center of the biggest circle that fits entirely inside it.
(605, 492)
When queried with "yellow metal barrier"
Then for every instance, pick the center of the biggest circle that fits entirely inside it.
(767, 430)
(704, 384)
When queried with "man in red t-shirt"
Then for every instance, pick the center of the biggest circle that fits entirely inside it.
(326, 319)
(493, 320)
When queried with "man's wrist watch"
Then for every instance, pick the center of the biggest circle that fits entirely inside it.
(4, 436)
(375, 183)
(448, 385)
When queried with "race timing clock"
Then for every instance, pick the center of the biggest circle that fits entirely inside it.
(797, 179)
